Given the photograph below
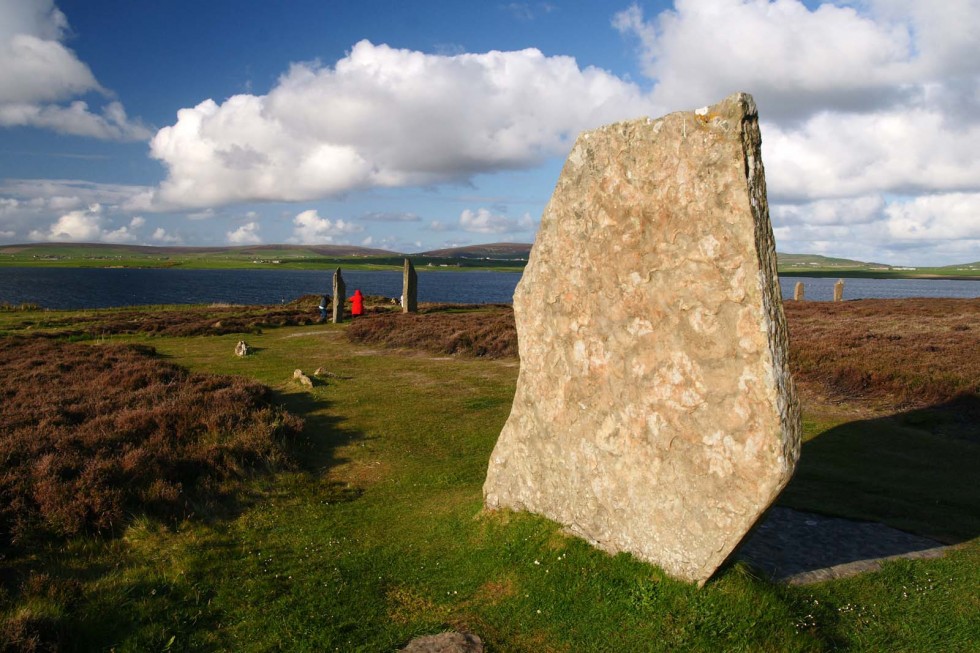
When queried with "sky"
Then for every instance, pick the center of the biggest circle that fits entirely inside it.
(411, 126)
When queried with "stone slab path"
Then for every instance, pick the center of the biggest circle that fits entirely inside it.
(800, 547)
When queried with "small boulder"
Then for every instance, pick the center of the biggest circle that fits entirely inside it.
(302, 378)
(242, 349)
(451, 642)
(324, 374)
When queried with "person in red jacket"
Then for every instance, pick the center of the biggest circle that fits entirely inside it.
(357, 304)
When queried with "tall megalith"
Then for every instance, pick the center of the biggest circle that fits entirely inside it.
(654, 410)
(339, 297)
(410, 288)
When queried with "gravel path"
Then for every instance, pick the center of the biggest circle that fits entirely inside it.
(800, 547)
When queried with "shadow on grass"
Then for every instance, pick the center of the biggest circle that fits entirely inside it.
(323, 434)
(893, 486)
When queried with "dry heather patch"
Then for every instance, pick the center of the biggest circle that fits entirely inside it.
(92, 434)
(901, 352)
(215, 319)
(487, 331)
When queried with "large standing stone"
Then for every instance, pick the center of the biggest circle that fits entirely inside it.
(654, 410)
(339, 293)
(800, 292)
(839, 291)
(410, 289)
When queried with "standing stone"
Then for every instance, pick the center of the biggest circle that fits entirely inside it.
(654, 411)
(339, 295)
(410, 289)
(839, 291)
(799, 292)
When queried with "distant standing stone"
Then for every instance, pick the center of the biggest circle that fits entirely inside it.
(339, 293)
(410, 289)
(654, 411)
(799, 292)
(242, 349)
(839, 291)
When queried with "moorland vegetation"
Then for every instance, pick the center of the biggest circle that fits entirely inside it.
(159, 493)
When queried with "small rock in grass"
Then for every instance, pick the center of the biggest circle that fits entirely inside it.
(242, 349)
(451, 642)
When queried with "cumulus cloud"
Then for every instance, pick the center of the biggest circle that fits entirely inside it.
(863, 106)
(484, 221)
(37, 72)
(160, 235)
(310, 228)
(26, 203)
(386, 117)
(83, 225)
(247, 234)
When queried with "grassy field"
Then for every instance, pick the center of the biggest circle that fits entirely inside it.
(281, 257)
(228, 258)
(375, 532)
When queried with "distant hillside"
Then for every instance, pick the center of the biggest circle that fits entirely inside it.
(492, 256)
(815, 260)
(494, 251)
(106, 249)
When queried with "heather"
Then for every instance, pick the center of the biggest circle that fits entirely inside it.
(896, 352)
(439, 329)
(95, 434)
(373, 531)
(900, 352)
(217, 319)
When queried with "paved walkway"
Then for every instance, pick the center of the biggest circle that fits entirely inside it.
(799, 547)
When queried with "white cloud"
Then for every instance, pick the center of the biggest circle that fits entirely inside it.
(870, 112)
(37, 71)
(438, 226)
(484, 221)
(63, 194)
(310, 228)
(840, 56)
(84, 225)
(88, 225)
(938, 229)
(160, 235)
(247, 234)
(384, 117)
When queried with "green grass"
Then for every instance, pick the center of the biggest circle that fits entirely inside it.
(276, 257)
(235, 258)
(381, 537)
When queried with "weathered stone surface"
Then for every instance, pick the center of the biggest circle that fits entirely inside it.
(339, 293)
(839, 291)
(445, 643)
(799, 293)
(410, 289)
(654, 410)
(242, 349)
(302, 378)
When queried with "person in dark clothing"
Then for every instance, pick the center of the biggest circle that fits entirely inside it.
(323, 307)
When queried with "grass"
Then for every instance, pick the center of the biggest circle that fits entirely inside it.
(378, 534)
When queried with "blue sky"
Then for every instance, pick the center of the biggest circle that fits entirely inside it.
(412, 126)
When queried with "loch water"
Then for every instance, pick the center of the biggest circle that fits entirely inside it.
(68, 288)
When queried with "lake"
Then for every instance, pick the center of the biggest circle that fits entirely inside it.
(62, 288)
